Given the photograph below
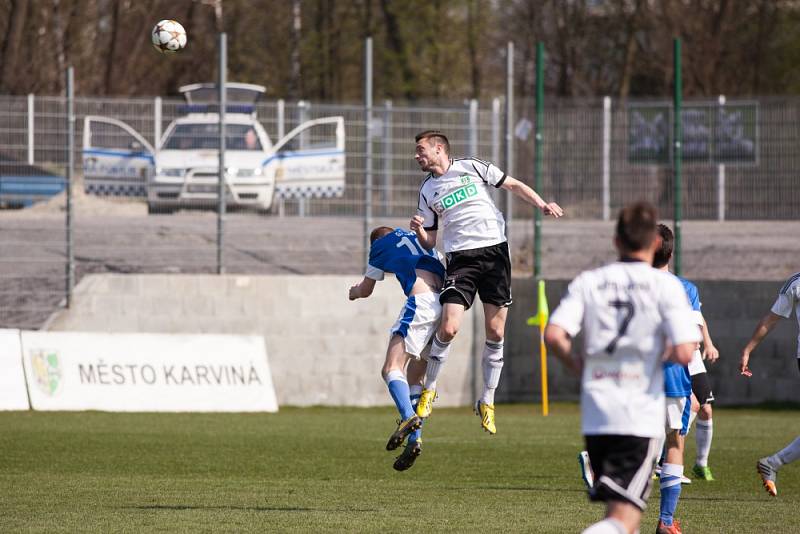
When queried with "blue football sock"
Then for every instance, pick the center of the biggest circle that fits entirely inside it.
(398, 389)
(670, 491)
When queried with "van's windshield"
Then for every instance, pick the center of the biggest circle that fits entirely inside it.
(199, 136)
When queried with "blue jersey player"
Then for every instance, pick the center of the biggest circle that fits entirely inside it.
(420, 274)
(678, 392)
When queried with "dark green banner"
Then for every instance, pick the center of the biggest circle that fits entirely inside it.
(712, 133)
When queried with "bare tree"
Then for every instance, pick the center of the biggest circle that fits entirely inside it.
(12, 43)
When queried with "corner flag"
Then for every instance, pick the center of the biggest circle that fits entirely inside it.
(540, 320)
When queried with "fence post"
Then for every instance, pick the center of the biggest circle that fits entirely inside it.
(70, 274)
(537, 174)
(721, 175)
(495, 139)
(606, 158)
(302, 116)
(30, 128)
(281, 132)
(473, 128)
(678, 138)
(386, 193)
(157, 122)
(281, 119)
(367, 145)
(509, 129)
(223, 67)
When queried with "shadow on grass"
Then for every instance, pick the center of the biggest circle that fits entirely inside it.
(527, 488)
(723, 499)
(766, 406)
(180, 507)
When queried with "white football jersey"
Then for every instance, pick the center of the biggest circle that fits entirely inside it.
(460, 198)
(787, 300)
(626, 311)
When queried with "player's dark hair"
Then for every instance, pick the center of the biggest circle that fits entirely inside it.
(379, 232)
(436, 136)
(636, 226)
(664, 252)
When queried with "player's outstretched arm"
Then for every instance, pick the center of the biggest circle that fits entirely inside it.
(560, 343)
(532, 197)
(763, 328)
(363, 289)
(426, 238)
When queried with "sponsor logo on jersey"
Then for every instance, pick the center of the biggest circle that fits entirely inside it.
(456, 197)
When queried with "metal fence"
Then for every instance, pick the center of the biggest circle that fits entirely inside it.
(740, 161)
(593, 150)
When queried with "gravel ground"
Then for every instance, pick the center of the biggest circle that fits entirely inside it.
(120, 237)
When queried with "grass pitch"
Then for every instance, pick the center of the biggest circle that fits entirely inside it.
(322, 469)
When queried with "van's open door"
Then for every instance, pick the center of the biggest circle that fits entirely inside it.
(309, 161)
(116, 158)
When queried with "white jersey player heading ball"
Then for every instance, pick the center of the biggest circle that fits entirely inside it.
(455, 192)
(627, 311)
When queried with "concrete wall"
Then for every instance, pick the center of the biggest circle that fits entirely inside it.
(322, 348)
(326, 350)
(731, 309)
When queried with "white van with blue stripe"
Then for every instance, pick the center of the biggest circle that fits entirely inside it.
(183, 171)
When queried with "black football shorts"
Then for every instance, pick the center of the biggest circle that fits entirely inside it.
(623, 467)
(485, 271)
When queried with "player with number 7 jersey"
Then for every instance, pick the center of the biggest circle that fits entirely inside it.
(624, 310)
(627, 311)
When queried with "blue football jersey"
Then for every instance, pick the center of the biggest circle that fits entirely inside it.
(677, 381)
(400, 253)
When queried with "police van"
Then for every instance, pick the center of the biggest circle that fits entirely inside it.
(183, 169)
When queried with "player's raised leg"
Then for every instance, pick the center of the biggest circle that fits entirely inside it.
(394, 375)
(413, 448)
(452, 314)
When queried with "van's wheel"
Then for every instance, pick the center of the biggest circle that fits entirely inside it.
(268, 210)
(153, 209)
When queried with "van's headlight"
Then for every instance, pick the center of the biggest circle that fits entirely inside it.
(171, 172)
(247, 173)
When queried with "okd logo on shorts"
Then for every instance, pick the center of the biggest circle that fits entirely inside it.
(46, 370)
(456, 197)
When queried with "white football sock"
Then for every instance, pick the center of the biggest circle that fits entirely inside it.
(436, 358)
(790, 453)
(703, 436)
(492, 364)
(395, 374)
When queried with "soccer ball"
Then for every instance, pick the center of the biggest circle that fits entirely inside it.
(169, 36)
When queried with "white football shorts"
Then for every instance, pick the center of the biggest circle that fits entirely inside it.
(418, 321)
(678, 409)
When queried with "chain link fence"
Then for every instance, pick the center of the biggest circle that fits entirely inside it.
(739, 164)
